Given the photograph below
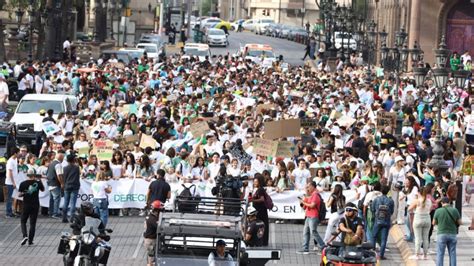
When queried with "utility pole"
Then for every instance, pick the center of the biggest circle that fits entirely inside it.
(190, 8)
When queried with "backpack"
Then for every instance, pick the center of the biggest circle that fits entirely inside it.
(268, 201)
(321, 209)
(382, 213)
(187, 201)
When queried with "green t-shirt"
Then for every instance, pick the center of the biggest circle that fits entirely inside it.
(446, 224)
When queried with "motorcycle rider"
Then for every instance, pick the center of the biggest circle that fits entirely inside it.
(255, 229)
(79, 220)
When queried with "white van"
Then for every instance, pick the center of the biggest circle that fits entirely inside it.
(152, 50)
(27, 115)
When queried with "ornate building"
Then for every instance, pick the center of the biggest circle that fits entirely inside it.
(426, 21)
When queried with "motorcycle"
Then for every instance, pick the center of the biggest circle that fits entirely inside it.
(90, 248)
(338, 254)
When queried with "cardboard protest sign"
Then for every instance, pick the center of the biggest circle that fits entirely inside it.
(50, 128)
(385, 119)
(103, 149)
(204, 101)
(345, 121)
(284, 149)
(172, 98)
(282, 128)
(147, 141)
(299, 94)
(83, 150)
(199, 128)
(129, 142)
(261, 107)
(118, 65)
(263, 147)
(306, 122)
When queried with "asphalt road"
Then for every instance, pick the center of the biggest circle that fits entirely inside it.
(127, 243)
(292, 52)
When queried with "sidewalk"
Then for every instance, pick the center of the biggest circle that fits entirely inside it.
(465, 239)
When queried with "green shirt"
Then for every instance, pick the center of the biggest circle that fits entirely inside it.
(446, 224)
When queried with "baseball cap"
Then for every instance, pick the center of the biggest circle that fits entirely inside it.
(220, 243)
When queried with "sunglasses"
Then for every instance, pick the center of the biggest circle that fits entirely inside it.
(350, 210)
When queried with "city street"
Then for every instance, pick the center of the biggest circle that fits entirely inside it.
(292, 52)
(127, 243)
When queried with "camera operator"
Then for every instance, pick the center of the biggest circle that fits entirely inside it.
(228, 187)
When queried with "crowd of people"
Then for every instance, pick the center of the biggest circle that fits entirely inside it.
(166, 98)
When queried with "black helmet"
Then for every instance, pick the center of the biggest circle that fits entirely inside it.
(87, 207)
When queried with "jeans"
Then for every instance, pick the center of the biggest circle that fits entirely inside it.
(310, 227)
(443, 241)
(383, 229)
(55, 199)
(9, 204)
(101, 207)
(408, 226)
(29, 212)
(421, 227)
(70, 198)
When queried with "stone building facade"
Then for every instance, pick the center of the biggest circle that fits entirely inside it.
(426, 21)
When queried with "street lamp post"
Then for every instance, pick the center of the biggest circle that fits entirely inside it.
(112, 7)
(441, 74)
(394, 60)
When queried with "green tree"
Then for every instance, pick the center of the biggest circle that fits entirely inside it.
(206, 7)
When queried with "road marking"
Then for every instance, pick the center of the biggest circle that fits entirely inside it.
(272, 238)
(11, 233)
(135, 253)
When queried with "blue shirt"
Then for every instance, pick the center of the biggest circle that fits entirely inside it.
(428, 124)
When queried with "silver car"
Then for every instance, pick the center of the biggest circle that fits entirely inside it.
(216, 37)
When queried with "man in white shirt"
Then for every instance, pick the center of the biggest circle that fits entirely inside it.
(260, 164)
(301, 175)
(17, 69)
(4, 93)
(465, 57)
(66, 44)
(219, 257)
(214, 166)
(12, 172)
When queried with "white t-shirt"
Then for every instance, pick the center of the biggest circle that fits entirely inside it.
(98, 189)
(12, 164)
(301, 177)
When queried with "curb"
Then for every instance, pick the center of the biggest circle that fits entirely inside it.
(396, 233)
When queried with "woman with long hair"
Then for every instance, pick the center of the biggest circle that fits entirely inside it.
(409, 195)
(100, 189)
(258, 201)
(335, 206)
(283, 182)
(145, 170)
(421, 222)
(129, 165)
(117, 165)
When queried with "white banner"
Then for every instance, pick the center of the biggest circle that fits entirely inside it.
(131, 193)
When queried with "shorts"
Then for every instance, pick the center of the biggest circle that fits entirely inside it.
(150, 249)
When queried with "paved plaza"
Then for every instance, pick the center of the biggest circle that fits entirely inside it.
(127, 245)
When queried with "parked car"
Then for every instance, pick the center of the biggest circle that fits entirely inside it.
(28, 121)
(134, 53)
(152, 50)
(121, 56)
(249, 24)
(261, 24)
(272, 29)
(347, 38)
(217, 37)
(284, 31)
(196, 49)
(297, 31)
(154, 38)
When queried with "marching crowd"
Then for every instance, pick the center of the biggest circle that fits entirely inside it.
(344, 148)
